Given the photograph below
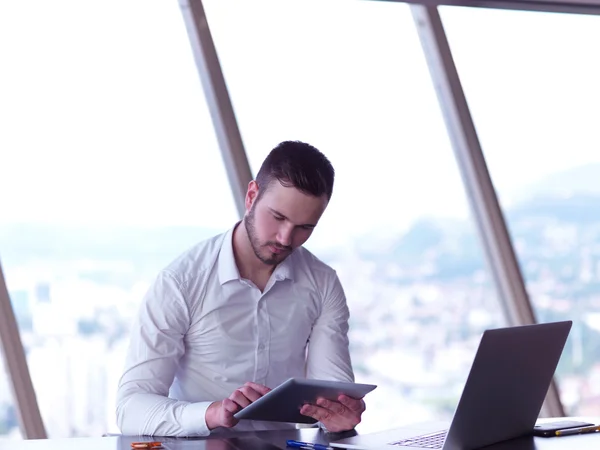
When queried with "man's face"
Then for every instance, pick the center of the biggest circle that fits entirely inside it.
(281, 220)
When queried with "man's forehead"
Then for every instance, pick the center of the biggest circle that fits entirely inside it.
(279, 192)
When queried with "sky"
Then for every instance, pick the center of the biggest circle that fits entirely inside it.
(104, 119)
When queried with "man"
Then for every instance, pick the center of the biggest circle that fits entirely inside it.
(242, 312)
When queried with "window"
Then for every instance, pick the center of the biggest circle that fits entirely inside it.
(109, 169)
(9, 424)
(535, 100)
(351, 79)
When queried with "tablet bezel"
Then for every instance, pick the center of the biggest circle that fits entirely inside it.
(283, 403)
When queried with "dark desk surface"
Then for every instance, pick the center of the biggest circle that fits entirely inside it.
(273, 440)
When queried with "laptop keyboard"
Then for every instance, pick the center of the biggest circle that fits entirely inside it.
(433, 440)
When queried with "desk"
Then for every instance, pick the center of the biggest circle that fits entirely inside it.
(274, 440)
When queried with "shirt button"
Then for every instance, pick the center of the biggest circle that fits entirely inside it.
(261, 346)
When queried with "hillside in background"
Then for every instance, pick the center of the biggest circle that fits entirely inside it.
(452, 247)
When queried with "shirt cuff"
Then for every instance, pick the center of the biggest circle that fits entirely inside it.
(193, 419)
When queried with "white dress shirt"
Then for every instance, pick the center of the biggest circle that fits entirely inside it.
(203, 331)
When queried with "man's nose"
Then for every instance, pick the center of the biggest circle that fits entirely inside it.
(285, 234)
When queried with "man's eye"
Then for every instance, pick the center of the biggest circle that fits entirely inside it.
(278, 218)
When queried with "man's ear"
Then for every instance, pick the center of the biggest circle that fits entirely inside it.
(251, 195)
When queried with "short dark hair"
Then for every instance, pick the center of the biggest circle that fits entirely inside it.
(297, 164)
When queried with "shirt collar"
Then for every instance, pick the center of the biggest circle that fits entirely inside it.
(227, 268)
(285, 270)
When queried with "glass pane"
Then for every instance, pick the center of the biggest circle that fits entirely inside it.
(112, 169)
(535, 97)
(350, 78)
(9, 422)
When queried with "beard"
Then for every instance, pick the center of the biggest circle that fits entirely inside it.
(262, 251)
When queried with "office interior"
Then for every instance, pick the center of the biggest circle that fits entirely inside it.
(465, 140)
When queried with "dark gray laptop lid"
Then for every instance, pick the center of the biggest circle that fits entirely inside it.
(507, 384)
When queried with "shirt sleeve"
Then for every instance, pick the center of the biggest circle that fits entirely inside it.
(328, 347)
(157, 344)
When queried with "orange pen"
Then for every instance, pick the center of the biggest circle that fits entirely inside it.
(148, 445)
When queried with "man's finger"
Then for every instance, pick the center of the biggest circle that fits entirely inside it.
(261, 389)
(316, 412)
(230, 406)
(334, 407)
(250, 393)
(238, 397)
(353, 404)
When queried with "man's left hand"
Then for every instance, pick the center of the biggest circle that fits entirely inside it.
(342, 415)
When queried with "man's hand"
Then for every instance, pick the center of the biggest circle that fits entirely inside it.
(220, 414)
(342, 415)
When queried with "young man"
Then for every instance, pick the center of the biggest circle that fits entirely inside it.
(242, 312)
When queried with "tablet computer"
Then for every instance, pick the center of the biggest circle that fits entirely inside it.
(283, 403)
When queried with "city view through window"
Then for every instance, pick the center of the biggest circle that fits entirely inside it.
(535, 103)
(112, 169)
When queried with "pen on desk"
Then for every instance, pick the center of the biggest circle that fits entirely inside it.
(572, 431)
(146, 445)
(307, 445)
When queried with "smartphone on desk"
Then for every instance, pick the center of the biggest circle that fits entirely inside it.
(549, 429)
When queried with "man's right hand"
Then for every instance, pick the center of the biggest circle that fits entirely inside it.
(220, 414)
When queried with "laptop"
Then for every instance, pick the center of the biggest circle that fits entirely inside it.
(501, 400)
